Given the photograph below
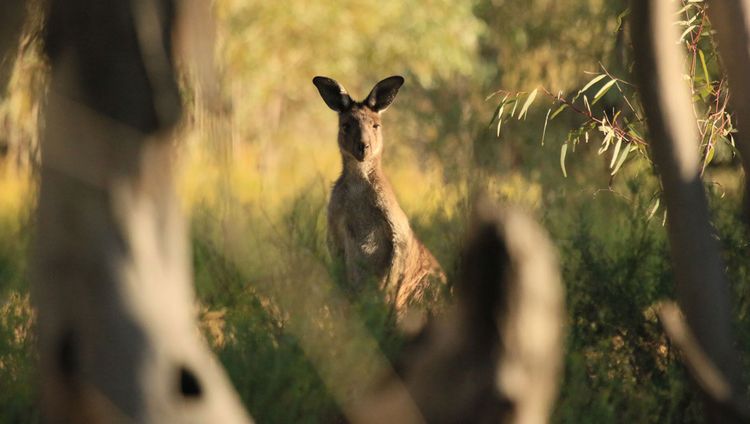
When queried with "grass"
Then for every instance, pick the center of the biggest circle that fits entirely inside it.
(259, 256)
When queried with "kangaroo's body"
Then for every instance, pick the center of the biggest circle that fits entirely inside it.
(366, 226)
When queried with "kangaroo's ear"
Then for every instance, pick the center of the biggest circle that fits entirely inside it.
(383, 93)
(333, 93)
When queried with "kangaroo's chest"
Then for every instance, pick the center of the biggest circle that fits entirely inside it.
(363, 226)
(366, 226)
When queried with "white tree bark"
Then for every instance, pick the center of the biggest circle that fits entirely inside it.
(12, 15)
(731, 21)
(112, 286)
(702, 287)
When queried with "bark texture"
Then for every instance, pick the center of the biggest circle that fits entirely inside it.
(702, 287)
(112, 284)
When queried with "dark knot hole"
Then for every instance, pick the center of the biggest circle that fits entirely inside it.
(190, 387)
(67, 355)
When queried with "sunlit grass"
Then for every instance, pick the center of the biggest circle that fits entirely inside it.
(269, 184)
(16, 192)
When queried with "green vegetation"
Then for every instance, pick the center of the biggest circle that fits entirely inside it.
(255, 178)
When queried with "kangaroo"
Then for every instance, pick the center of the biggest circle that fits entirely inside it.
(495, 355)
(366, 225)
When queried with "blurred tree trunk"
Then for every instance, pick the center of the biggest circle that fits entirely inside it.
(731, 20)
(12, 16)
(702, 288)
(495, 356)
(111, 280)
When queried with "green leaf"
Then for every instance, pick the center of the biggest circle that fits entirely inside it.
(686, 32)
(709, 157)
(500, 118)
(633, 132)
(494, 115)
(705, 68)
(621, 18)
(498, 110)
(529, 101)
(563, 151)
(544, 130)
(602, 91)
(515, 104)
(653, 210)
(616, 152)
(559, 109)
(493, 95)
(623, 156)
(607, 139)
(685, 8)
(589, 84)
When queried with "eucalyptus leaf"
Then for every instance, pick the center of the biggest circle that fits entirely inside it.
(623, 156)
(653, 209)
(529, 101)
(558, 110)
(616, 152)
(705, 68)
(589, 84)
(544, 130)
(686, 32)
(602, 91)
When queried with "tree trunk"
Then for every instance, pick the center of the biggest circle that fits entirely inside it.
(702, 288)
(112, 284)
(731, 20)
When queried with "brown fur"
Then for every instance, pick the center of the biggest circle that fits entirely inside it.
(366, 225)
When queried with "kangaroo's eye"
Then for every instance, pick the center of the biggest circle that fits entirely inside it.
(376, 126)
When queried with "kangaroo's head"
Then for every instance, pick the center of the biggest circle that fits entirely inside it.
(360, 137)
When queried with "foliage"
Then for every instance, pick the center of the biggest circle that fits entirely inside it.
(20, 102)
(17, 394)
(547, 42)
(618, 124)
(271, 50)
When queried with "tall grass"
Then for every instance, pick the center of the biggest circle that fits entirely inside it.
(255, 236)
(17, 395)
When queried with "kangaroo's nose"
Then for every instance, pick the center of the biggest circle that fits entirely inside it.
(361, 148)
